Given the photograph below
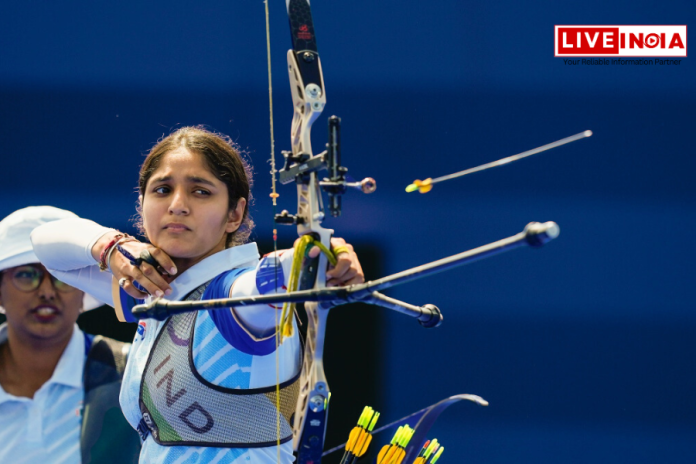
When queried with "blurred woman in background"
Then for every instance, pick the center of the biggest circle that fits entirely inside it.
(58, 386)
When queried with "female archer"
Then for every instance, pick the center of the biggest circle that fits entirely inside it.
(202, 386)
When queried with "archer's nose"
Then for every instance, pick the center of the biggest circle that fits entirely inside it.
(179, 203)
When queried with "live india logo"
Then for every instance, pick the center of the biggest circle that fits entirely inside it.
(620, 44)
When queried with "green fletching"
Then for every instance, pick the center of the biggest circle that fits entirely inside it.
(397, 435)
(433, 446)
(373, 422)
(437, 455)
(364, 417)
(406, 437)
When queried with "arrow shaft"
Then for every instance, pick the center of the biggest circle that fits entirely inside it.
(512, 158)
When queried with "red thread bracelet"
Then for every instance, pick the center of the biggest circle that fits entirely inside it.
(102, 257)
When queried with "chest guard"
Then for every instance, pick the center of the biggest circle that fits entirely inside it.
(181, 408)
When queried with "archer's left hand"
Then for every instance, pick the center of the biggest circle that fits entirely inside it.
(347, 270)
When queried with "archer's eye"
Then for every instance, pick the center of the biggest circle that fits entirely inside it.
(161, 190)
(202, 192)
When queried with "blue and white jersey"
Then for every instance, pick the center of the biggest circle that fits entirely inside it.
(225, 352)
(46, 428)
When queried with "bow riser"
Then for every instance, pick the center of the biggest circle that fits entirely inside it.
(311, 413)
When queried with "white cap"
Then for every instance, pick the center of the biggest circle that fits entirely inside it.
(15, 243)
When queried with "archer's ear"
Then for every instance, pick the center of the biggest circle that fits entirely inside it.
(235, 216)
(140, 201)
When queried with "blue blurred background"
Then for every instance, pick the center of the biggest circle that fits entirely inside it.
(585, 348)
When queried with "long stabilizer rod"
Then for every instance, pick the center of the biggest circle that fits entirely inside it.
(535, 235)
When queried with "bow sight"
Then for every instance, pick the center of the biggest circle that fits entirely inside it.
(298, 168)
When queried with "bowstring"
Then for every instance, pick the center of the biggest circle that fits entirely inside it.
(274, 196)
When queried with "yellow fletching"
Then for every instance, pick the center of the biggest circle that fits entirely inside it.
(423, 186)
(359, 440)
(399, 456)
(382, 453)
(363, 444)
(389, 457)
(353, 438)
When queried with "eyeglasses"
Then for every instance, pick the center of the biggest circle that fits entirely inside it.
(29, 278)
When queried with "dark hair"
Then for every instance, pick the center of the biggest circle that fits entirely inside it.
(224, 161)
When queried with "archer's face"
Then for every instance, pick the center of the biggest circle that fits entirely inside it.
(185, 208)
(45, 313)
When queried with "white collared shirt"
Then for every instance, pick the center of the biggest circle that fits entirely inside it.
(46, 428)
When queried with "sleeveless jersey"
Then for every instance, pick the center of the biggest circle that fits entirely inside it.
(183, 407)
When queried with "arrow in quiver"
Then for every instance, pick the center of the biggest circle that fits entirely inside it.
(361, 436)
(395, 451)
(430, 452)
